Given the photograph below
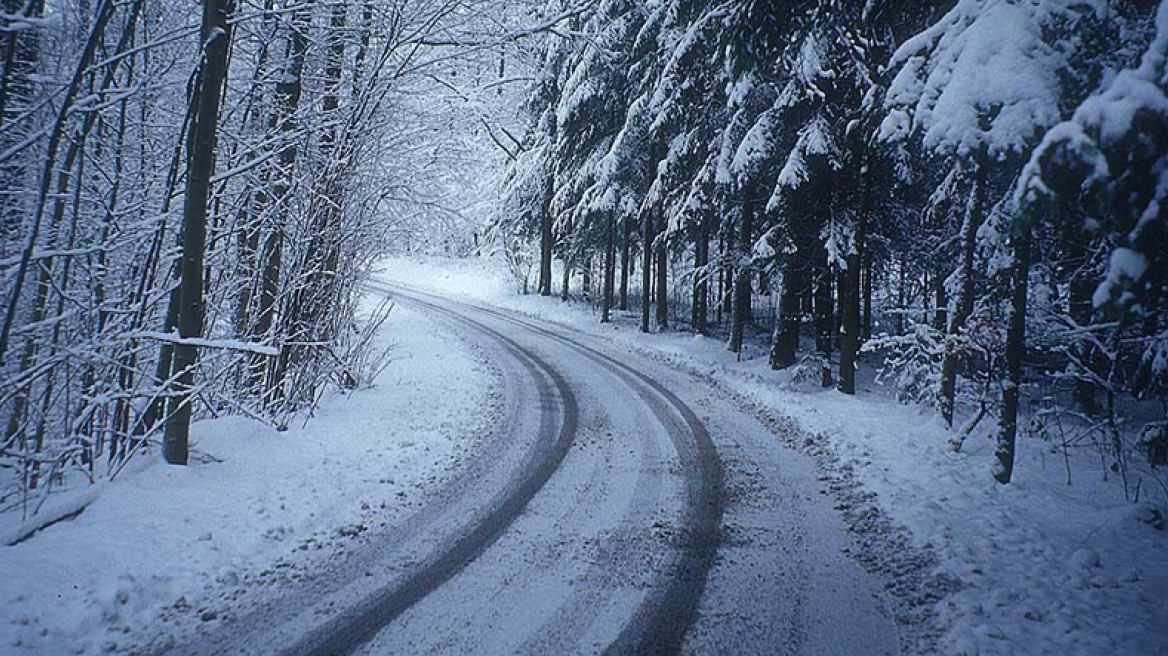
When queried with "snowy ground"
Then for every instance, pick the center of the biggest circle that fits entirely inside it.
(1036, 567)
(253, 502)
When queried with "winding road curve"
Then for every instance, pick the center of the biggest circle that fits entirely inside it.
(619, 507)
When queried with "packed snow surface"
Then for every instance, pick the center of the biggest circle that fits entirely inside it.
(163, 536)
(1045, 567)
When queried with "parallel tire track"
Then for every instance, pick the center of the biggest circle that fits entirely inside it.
(349, 630)
(661, 622)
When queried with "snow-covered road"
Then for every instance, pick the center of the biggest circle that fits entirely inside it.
(619, 506)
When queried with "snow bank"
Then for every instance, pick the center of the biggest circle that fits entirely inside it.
(162, 536)
(1045, 567)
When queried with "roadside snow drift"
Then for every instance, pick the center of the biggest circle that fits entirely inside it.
(164, 536)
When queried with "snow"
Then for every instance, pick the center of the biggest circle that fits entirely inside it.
(756, 146)
(1102, 127)
(982, 78)
(160, 535)
(227, 344)
(1046, 567)
(1126, 266)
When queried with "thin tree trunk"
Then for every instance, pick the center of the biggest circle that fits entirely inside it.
(586, 278)
(289, 89)
(867, 269)
(964, 305)
(1081, 309)
(647, 268)
(21, 57)
(215, 33)
(626, 261)
(741, 305)
(546, 239)
(609, 269)
(940, 312)
(1015, 350)
(701, 281)
(36, 220)
(850, 290)
(824, 313)
(662, 279)
(567, 278)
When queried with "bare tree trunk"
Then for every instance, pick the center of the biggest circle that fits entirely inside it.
(586, 278)
(824, 313)
(964, 305)
(216, 35)
(701, 281)
(1015, 350)
(785, 345)
(1081, 310)
(248, 225)
(647, 267)
(940, 312)
(741, 306)
(662, 279)
(609, 269)
(867, 269)
(289, 89)
(626, 261)
(36, 220)
(546, 239)
(21, 56)
(850, 290)
(565, 292)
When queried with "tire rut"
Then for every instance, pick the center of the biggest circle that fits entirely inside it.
(660, 623)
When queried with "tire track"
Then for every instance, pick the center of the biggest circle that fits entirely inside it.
(661, 622)
(349, 630)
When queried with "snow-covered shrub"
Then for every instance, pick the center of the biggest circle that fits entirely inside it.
(912, 362)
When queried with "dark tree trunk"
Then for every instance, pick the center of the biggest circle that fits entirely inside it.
(21, 57)
(701, 281)
(728, 271)
(546, 239)
(1081, 310)
(867, 270)
(289, 90)
(824, 313)
(49, 173)
(850, 289)
(964, 304)
(741, 306)
(609, 270)
(721, 288)
(662, 280)
(586, 278)
(1015, 350)
(941, 311)
(649, 235)
(566, 279)
(785, 345)
(626, 261)
(215, 33)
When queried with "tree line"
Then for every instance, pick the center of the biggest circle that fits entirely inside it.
(972, 191)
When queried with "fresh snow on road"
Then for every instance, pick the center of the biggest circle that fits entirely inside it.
(254, 502)
(1035, 567)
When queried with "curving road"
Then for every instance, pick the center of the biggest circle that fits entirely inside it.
(618, 507)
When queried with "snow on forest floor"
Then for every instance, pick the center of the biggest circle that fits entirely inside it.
(161, 537)
(1043, 567)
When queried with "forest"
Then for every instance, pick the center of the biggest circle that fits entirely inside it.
(190, 199)
(913, 255)
(968, 196)
(991, 173)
